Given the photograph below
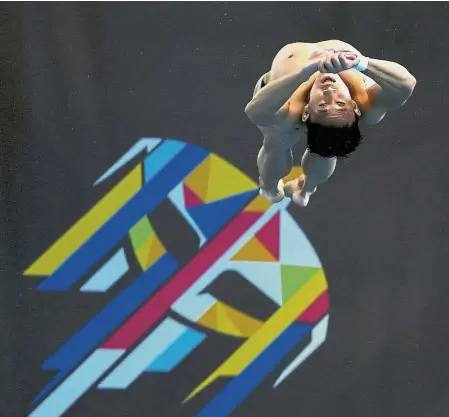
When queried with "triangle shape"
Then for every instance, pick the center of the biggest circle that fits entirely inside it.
(209, 318)
(293, 278)
(295, 248)
(156, 250)
(213, 216)
(244, 325)
(142, 254)
(198, 179)
(258, 205)
(226, 180)
(140, 232)
(224, 323)
(254, 251)
(190, 198)
(316, 310)
(266, 277)
(268, 235)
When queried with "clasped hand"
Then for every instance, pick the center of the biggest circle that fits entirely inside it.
(334, 61)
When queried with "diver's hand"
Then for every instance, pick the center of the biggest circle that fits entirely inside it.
(338, 61)
(321, 53)
(318, 56)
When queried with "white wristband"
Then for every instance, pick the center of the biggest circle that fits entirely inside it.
(363, 64)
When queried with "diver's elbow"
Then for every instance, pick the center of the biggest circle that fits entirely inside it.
(251, 113)
(407, 88)
(409, 85)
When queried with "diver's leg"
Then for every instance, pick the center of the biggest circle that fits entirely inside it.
(274, 163)
(316, 170)
(275, 159)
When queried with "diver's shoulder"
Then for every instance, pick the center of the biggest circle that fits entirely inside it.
(372, 117)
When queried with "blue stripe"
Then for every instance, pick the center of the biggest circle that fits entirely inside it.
(114, 314)
(159, 340)
(175, 354)
(77, 384)
(146, 200)
(55, 381)
(161, 157)
(242, 385)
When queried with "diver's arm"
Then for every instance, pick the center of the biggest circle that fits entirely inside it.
(395, 84)
(265, 106)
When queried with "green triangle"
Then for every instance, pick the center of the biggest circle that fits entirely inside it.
(140, 232)
(293, 278)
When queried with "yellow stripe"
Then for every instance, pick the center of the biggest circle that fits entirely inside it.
(84, 228)
(274, 326)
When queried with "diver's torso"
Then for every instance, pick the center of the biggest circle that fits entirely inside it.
(294, 56)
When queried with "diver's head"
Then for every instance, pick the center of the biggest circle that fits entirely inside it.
(330, 103)
(331, 116)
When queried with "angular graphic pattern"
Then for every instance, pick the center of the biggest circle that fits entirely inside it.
(136, 335)
(227, 320)
(177, 351)
(147, 246)
(108, 274)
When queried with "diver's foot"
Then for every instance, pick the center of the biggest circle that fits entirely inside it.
(294, 189)
(275, 196)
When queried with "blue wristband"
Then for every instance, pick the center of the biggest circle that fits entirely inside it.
(363, 64)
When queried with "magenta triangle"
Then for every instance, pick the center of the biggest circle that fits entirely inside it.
(190, 198)
(269, 235)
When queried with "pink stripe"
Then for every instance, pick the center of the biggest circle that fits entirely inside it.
(157, 306)
(316, 310)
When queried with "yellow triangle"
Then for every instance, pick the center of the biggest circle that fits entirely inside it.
(254, 251)
(258, 205)
(198, 179)
(156, 250)
(209, 318)
(224, 324)
(242, 324)
(294, 173)
(142, 253)
(225, 180)
(227, 320)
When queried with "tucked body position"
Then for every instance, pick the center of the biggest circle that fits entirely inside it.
(327, 93)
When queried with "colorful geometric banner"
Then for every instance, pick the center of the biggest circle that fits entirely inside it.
(139, 332)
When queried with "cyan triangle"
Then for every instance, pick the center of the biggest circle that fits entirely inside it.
(263, 275)
(212, 217)
(295, 247)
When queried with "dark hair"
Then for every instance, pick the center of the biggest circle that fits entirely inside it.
(330, 142)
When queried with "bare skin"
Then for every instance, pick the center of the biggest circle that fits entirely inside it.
(317, 82)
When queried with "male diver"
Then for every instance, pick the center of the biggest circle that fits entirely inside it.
(329, 93)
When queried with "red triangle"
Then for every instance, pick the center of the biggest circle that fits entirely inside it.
(269, 235)
(316, 310)
(190, 198)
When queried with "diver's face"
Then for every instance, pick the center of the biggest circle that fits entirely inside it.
(330, 102)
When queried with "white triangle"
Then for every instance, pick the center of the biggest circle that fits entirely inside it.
(263, 275)
(146, 143)
(319, 333)
(177, 198)
(295, 248)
